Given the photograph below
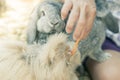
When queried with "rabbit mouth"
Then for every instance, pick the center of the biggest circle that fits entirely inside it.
(53, 31)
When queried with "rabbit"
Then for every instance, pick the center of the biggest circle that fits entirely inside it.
(44, 20)
(51, 61)
(39, 28)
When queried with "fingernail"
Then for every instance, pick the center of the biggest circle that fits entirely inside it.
(68, 31)
(62, 17)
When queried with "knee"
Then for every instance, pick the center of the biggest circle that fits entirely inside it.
(106, 73)
(108, 70)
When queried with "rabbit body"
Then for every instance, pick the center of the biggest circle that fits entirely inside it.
(52, 61)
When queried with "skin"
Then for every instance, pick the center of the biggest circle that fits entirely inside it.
(108, 70)
(82, 15)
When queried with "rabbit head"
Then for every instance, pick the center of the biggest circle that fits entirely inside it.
(46, 18)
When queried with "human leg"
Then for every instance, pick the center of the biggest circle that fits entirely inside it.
(108, 70)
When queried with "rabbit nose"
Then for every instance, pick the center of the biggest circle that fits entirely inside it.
(54, 23)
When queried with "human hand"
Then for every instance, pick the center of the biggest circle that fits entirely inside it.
(81, 17)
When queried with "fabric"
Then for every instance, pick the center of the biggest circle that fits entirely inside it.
(109, 44)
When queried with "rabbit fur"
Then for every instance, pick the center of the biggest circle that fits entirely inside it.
(46, 20)
(52, 61)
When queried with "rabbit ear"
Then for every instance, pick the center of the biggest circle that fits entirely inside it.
(32, 25)
(102, 9)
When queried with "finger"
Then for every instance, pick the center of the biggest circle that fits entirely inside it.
(66, 8)
(90, 21)
(72, 19)
(91, 15)
(80, 24)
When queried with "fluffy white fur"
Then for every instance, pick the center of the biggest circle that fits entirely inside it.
(52, 61)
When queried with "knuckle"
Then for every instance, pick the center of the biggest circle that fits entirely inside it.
(86, 4)
(74, 16)
(82, 23)
(76, 35)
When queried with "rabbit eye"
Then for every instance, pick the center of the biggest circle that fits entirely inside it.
(42, 13)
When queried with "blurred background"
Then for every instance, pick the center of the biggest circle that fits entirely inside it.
(14, 16)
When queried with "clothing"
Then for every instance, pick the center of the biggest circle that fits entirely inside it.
(109, 44)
